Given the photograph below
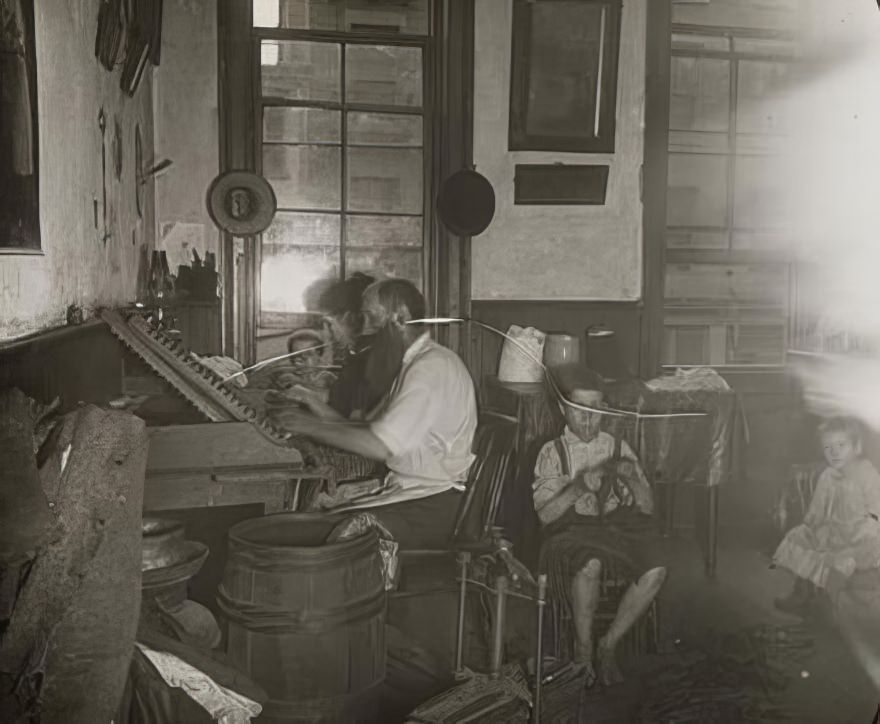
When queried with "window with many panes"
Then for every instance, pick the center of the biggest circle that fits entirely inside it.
(727, 274)
(341, 131)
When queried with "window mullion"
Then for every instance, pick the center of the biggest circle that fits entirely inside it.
(343, 126)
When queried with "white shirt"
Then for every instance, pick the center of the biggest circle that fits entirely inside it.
(427, 424)
(587, 461)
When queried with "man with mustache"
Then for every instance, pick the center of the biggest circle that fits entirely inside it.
(422, 430)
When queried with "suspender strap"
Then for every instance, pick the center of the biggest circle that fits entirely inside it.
(562, 452)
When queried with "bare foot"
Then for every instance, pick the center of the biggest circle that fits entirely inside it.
(609, 671)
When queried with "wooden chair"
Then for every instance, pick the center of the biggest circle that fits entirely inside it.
(643, 638)
(472, 530)
(794, 497)
(474, 534)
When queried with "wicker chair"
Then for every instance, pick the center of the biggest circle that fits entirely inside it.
(643, 638)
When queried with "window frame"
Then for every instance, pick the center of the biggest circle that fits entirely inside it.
(344, 39)
(719, 314)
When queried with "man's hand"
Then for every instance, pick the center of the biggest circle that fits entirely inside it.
(301, 394)
(292, 419)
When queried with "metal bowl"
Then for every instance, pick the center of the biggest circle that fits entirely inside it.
(163, 543)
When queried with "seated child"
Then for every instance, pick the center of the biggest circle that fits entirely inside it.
(840, 532)
(308, 367)
(593, 499)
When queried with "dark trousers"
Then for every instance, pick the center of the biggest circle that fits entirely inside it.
(421, 524)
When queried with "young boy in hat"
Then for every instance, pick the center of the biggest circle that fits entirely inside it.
(593, 502)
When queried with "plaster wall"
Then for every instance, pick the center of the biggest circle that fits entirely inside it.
(187, 122)
(558, 252)
(77, 265)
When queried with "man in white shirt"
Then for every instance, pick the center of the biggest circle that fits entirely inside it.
(423, 430)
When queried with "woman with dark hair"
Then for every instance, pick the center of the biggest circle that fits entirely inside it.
(354, 392)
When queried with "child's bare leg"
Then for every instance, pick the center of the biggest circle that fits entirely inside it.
(633, 604)
(585, 601)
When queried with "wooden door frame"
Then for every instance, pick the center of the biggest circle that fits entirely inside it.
(654, 183)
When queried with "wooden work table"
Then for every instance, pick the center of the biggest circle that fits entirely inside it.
(217, 464)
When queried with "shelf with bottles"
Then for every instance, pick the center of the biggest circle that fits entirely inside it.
(156, 293)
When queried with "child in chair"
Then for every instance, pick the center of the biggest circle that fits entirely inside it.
(840, 533)
(308, 363)
(593, 502)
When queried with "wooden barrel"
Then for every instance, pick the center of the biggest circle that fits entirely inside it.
(306, 619)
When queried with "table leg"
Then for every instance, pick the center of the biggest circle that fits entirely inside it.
(463, 561)
(501, 585)
(666, 511)
(712, 531)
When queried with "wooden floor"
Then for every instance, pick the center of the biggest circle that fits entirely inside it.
(834, 684)
(838, 681)
(841, 680)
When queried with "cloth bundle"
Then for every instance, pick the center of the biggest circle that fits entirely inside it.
(359, 524)
(521, 355)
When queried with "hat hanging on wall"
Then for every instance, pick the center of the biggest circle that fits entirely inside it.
(466, 203)
(241, 203)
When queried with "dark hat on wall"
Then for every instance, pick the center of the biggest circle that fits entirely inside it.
(241, 203)
(466, 203)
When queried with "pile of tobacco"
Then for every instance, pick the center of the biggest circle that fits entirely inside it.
(735, 677)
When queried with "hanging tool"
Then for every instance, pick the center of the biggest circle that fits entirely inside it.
(102, 124)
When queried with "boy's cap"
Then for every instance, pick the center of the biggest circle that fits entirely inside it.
(583, 396)
(573, 378)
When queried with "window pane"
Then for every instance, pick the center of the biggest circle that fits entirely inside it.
(300, 70)
(762, 88)
(383, 230)
(764, 46)
(385, 179)
(727, 283)
(700, 94)
(301, 125)
(762, 196)
(304, 177)
(403, 16)
(402, 263)
(287, 273)
(384, 129)
(777, 242)
(756, 344)
(697, 190)
(290, 228)
(696, 240)
(694, 41)
(699, 142)
(761, 14)
(686, 345)
(384, 75)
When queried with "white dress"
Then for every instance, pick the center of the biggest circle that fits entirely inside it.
(841, 531)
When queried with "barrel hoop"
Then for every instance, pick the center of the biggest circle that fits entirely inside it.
(272, 619)
(255, 561)
(276, 558)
